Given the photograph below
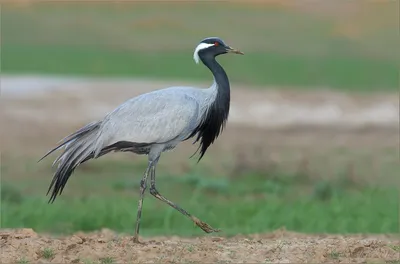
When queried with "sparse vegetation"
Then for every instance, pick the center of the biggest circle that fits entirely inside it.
(395, 247)
(396, 261)
(22, 261)
(48, 253)
(106, 260)
(88, 261)
(334, 254)
(190, 248)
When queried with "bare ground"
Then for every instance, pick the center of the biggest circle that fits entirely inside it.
(274, 119)
(277, 247)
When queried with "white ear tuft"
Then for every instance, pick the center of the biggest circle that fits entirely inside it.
(201, 46)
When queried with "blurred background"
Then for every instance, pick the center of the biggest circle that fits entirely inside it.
(312, 143)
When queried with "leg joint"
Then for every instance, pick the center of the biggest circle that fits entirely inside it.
(153, 190)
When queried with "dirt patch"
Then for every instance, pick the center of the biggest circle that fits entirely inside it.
(277, 247)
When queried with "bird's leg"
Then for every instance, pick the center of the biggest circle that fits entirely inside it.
(143, 185)
(204, 226)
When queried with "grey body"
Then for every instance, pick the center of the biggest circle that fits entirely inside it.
(146, 119)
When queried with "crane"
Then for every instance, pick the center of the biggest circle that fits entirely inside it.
(152, 123)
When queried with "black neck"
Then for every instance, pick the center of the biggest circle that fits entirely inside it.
(215, 117)
(219, 74)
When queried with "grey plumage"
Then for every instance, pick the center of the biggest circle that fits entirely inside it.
(151, 124)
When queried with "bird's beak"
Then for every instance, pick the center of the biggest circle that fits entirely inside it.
(232, 50)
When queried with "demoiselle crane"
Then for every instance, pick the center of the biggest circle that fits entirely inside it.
(152, 123)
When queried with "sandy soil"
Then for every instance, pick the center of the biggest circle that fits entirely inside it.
(277, 247)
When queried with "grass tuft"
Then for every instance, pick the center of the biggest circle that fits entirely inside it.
(47, 253)
(107, 260)
(22, 261)
(334, 254)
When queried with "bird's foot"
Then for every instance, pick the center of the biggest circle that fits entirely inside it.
(204, 226)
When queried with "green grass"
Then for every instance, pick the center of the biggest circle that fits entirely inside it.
(254, 202)
(283, 47)
(254, 68)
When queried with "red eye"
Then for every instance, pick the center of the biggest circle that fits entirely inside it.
(216, 44)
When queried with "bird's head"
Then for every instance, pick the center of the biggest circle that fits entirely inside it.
(213, 47)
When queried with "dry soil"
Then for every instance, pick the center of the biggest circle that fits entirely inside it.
(276, 247)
